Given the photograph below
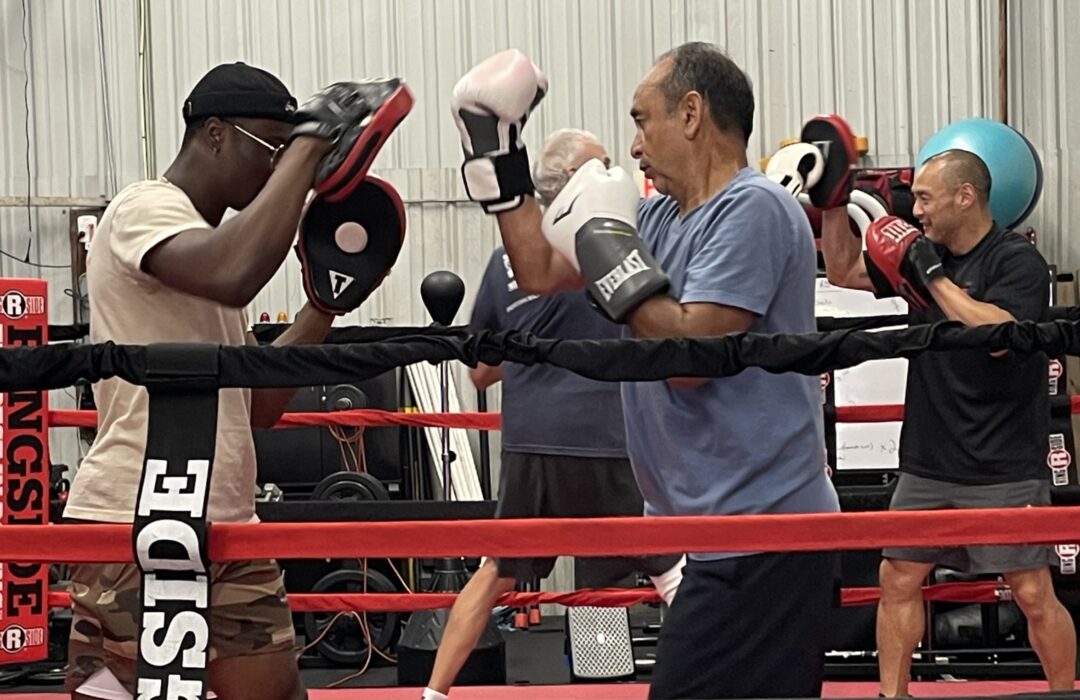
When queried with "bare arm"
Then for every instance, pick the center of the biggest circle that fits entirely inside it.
(538, 267)
(483, 376)
(959, 306)
(844, 264)
(663, 317)
(231, 263)
(310, 327)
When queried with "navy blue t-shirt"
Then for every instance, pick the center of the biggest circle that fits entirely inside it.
(547, 410)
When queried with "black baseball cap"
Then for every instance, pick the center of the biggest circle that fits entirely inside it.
(239, 90)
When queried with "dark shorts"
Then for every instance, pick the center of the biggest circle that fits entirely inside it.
(249, 615)
(560, 486)
(748, 627)
(920, 493)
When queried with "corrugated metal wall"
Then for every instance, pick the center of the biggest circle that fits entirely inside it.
(897, 69)
(1044, 67)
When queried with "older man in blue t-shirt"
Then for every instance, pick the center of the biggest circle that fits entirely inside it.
(723, 251)
(749, 249)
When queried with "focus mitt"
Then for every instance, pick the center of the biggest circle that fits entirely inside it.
(356, 118)
(347, 247)
(832, 136)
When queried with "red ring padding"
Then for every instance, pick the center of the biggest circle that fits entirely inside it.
(535, 537)
(960, 592)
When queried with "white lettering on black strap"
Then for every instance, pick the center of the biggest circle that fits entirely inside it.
(170, 530)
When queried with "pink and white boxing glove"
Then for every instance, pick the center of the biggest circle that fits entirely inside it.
(490, 105)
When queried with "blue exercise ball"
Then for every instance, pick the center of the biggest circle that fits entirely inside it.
(1015, 169)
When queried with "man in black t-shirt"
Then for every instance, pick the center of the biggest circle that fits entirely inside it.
(975, 423)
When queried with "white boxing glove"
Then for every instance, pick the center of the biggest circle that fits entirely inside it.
(490, 105)
(796, 168)
(593, 223)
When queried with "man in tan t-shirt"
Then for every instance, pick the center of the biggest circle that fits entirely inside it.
(163, 266)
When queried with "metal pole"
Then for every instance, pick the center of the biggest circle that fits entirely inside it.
(1003, 60)
(146, 90)
(447, 456)
(485, 449)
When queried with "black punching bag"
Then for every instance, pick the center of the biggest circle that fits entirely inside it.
(442, 293)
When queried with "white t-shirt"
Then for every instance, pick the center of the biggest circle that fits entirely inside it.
(129, 306)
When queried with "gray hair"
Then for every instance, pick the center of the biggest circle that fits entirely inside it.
(704, 68)
(551, 170)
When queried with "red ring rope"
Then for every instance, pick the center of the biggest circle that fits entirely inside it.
(874, 531)
(532, 537)
(363, 417)
(883, 413)
(960, 592)
(375, 418)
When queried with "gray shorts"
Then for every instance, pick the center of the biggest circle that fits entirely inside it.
(560, 486)
(920, 493)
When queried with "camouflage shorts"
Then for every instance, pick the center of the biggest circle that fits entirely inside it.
(249, 615)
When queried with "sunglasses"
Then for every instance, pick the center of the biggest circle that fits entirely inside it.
(275, 151)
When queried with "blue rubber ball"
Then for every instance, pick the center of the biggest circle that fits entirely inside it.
(1015, 169)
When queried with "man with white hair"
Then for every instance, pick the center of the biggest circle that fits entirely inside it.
(569, 462)
(563, 153)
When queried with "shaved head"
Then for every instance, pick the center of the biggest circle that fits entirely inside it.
(959, 168)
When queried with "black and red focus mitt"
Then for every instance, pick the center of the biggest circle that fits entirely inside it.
(347, 247)
(357, 119)
(833, 137)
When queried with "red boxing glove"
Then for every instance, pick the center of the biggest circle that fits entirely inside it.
(904, 257)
